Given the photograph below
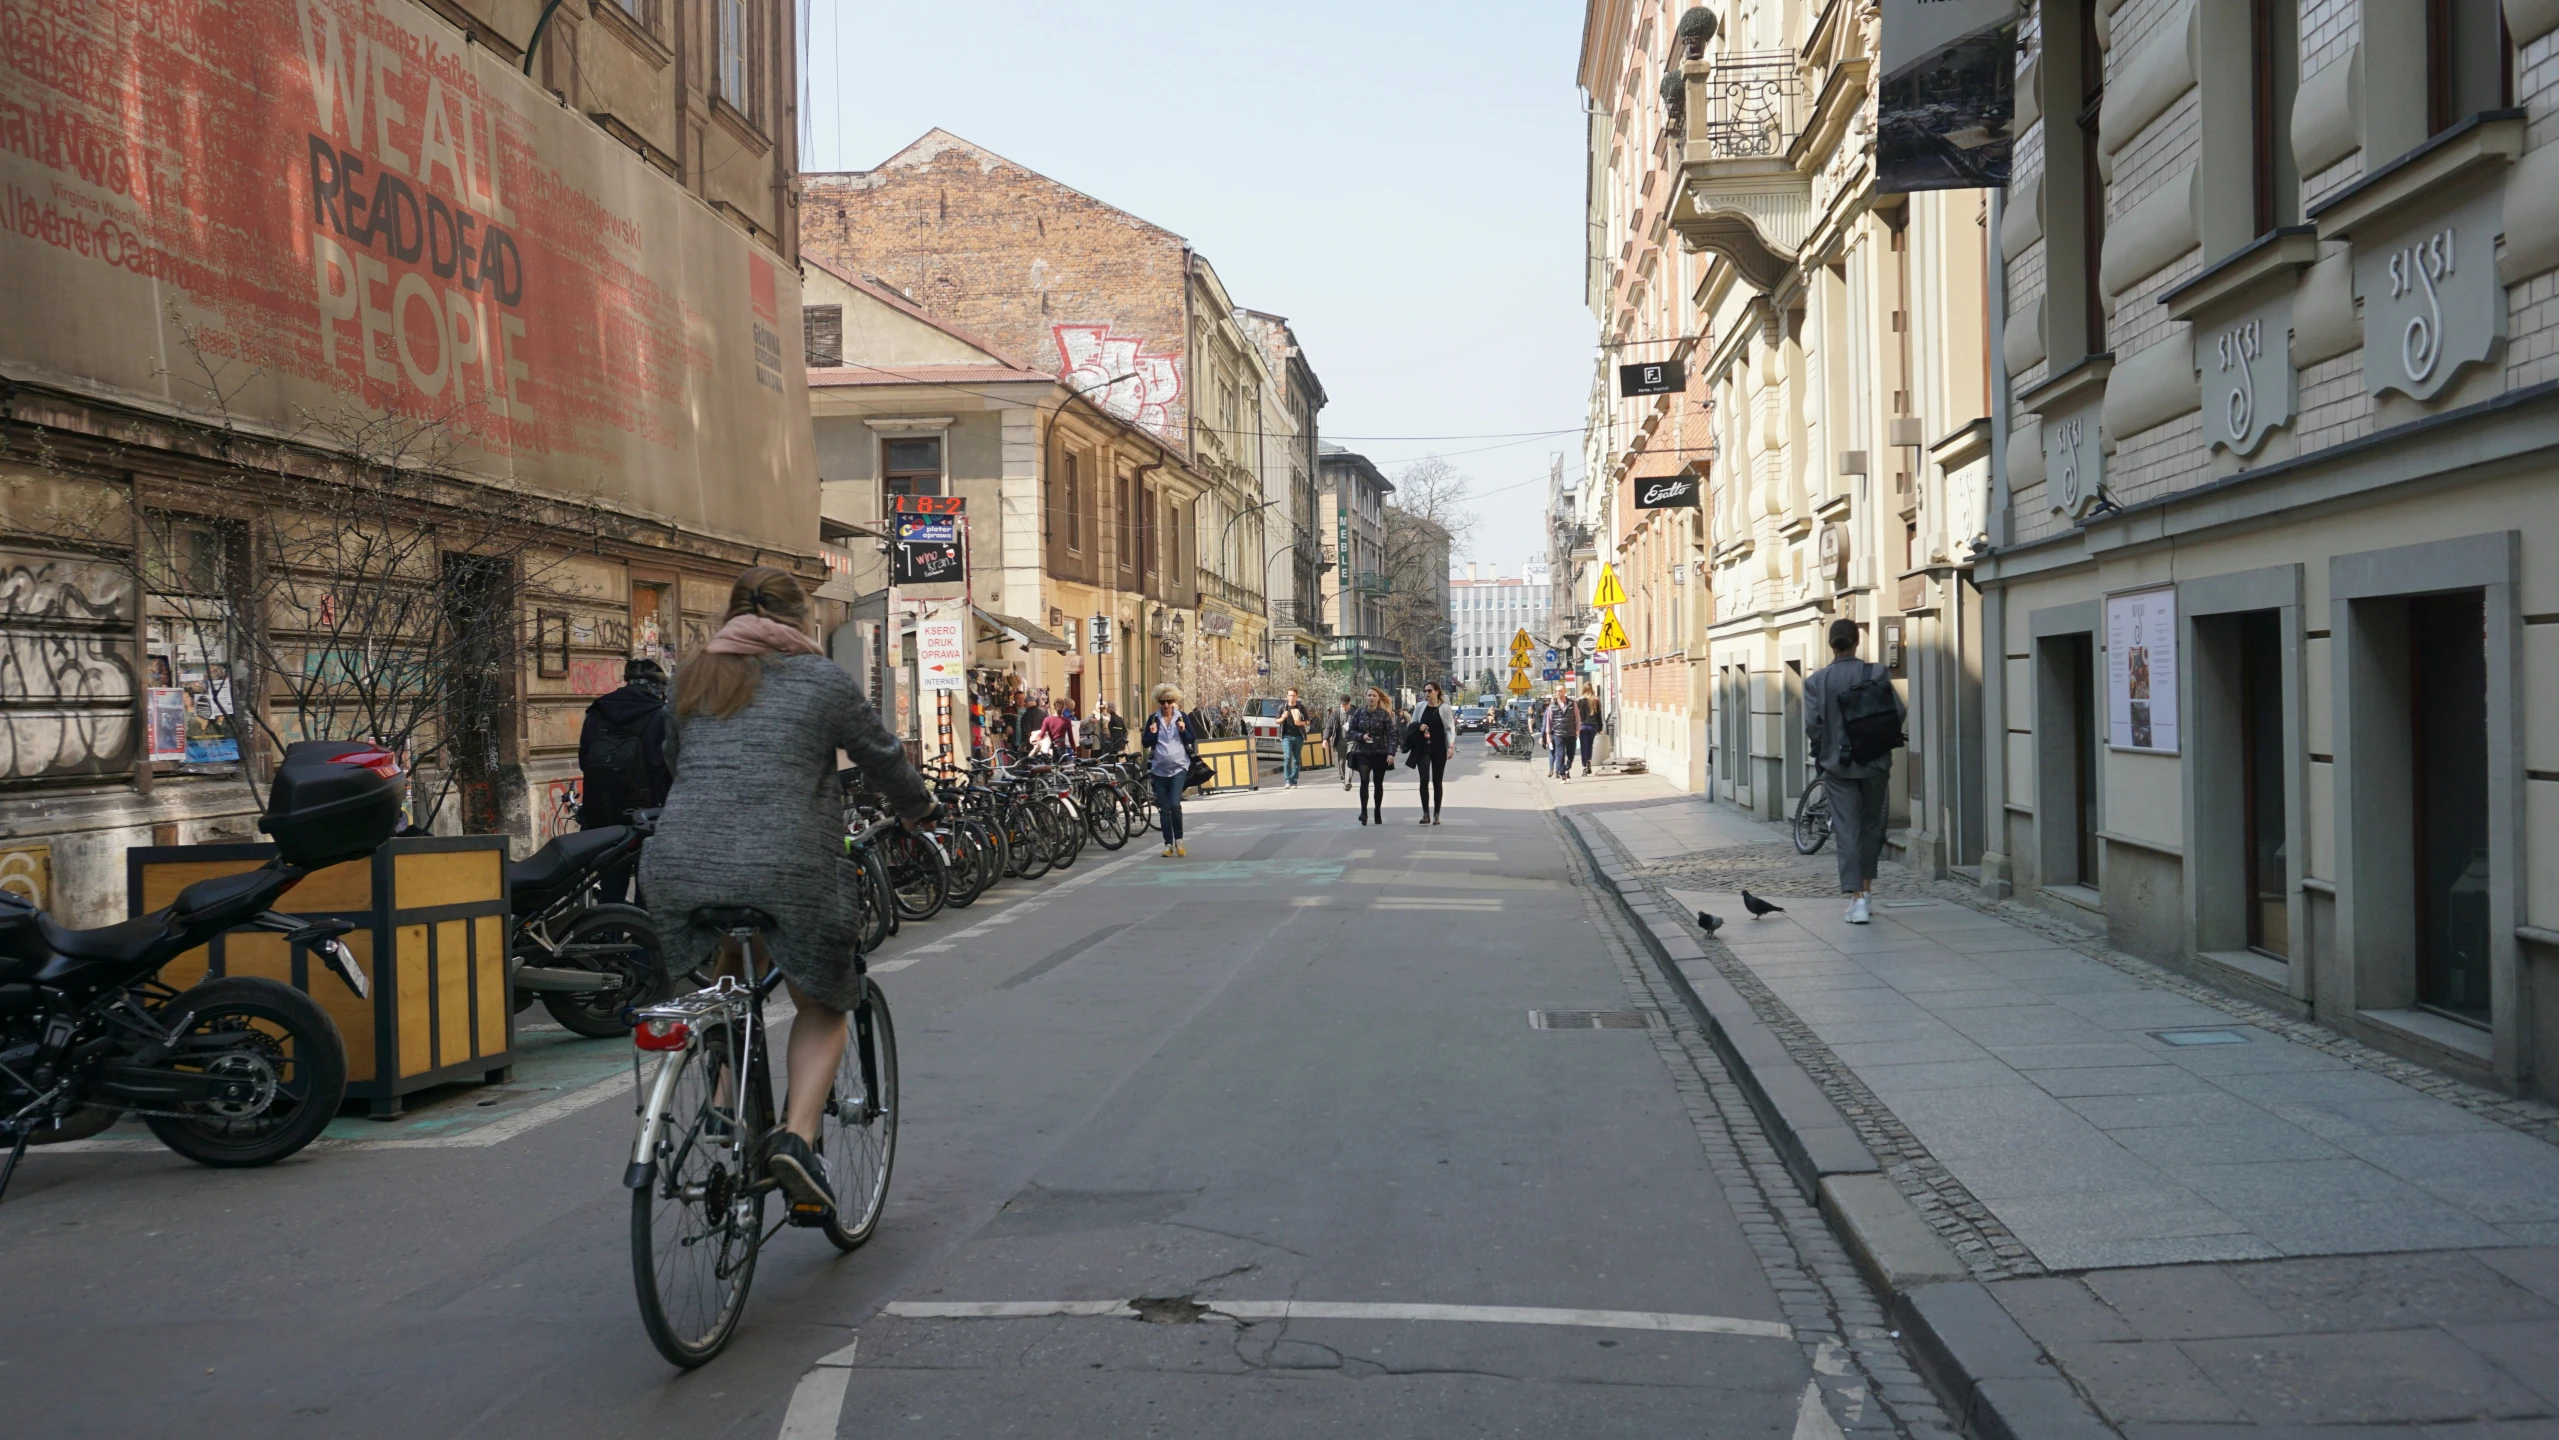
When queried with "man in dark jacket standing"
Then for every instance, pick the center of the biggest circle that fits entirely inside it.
(1294, 723)
(622, 759)
(1336, 733)
(1859, 791)
(622, 748)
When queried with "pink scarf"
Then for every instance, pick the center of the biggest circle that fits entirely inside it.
(753, 634)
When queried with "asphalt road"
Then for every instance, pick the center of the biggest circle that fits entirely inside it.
(1293, 1074)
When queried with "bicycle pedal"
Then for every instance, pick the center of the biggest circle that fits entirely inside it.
(808, 1216)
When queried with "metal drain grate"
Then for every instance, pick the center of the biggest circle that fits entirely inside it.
(1593, 1020)
(2200, 1037)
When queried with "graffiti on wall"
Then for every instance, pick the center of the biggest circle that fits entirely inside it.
(67, 676)
(1140, 389)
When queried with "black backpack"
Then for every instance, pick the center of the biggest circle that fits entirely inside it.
(1870, 716)
(621, 763)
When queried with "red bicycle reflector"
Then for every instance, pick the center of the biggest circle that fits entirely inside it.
(662, 1035)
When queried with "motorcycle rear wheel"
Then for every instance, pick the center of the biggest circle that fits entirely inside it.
(617, 940)
(274, 1034)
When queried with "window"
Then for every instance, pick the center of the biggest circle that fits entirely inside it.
(823, 325)
(912, 466)
(2274, 68)
(729, 54)
(1124, 517)
(1071, 491)
(2469, 61)
(2092, 189)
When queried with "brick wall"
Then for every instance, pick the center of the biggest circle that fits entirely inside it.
(1044, 273)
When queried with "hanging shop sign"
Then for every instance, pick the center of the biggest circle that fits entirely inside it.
(1652, 377)
(1945, 112)
(927, 548)
(941, 652)
(2141, 671)
(1667, 492)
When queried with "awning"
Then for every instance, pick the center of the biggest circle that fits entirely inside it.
(839, 587)
(1023, 631)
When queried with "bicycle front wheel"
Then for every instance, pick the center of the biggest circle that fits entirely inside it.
(695, 1227)
(1107, 815)
(858, 1136)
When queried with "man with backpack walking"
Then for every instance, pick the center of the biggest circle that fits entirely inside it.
(1853, 723)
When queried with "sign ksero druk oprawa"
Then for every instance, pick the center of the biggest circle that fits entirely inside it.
(1946, 109)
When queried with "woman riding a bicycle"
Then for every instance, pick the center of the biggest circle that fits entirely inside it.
(755, 818)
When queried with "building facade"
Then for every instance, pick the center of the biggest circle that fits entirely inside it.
(540, 345)
(1352, 501)
(1647, 451)
(1293, 563)
(910, 405)
(1487, 610)
(1124, 314)
(1845, 364)
(2272, 546)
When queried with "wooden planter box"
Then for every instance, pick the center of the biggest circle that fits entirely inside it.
(431, 933)
(1232, 759)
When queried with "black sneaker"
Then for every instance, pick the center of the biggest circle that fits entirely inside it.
(794, 1167)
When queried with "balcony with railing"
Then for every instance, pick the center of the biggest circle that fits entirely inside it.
(1741, 194)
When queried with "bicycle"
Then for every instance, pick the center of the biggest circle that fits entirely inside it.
(697, 1191)
(1812, 817)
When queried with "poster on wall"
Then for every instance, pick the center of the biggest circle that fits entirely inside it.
(1946, 110)
(168, 719)
(2141, 671)
(941, 651)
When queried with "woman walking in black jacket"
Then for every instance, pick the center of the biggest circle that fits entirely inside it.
(1426, 740)
(1369, 738)
(1170, 743)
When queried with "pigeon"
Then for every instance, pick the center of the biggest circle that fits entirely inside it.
(1709, 923)
(1758, 907)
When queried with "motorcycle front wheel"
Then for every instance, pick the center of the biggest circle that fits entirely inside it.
(274, 1038)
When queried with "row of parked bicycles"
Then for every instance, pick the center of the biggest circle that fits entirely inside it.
(998, 822)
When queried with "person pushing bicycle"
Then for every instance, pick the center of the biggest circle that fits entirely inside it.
(755, 817)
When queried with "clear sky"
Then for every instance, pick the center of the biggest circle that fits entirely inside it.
(1402, 179)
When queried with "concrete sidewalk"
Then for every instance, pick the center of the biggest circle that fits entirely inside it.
(2198, 1211)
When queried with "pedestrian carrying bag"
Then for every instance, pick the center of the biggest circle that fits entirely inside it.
(1870, 716)
(620, 754)
(1200, 776)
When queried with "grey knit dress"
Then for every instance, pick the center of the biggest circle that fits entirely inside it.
(755, 818)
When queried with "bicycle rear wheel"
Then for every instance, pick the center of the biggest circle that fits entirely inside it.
(1065, 832)
(1030, 840)
(858, 1136)
(879, 903)
(966, 841)
(1812, 820)
(695, 1227)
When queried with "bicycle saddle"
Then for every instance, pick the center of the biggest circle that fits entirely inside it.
(733, 917)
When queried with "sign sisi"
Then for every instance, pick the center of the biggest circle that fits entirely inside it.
(372, 216)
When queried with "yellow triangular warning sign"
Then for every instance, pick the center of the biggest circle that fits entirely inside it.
(1609, 592)
(1521, 642)
(1519, 682)
(1612, 636)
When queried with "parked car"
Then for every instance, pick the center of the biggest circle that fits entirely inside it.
(1473, 717)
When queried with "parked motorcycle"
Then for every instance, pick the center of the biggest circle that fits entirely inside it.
(588, 958)
(234, 1071)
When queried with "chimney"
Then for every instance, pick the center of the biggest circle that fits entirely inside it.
(1470, 572)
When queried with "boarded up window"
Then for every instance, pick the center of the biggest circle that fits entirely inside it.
(824, 325)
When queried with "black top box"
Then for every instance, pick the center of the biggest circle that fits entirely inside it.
(328, 806)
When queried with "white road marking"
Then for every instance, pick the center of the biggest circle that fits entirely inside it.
(1455, 855)
(1812, 1418)
(1310, 900)
(817, 1402)
(1655, 1320)
(1485, 906)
